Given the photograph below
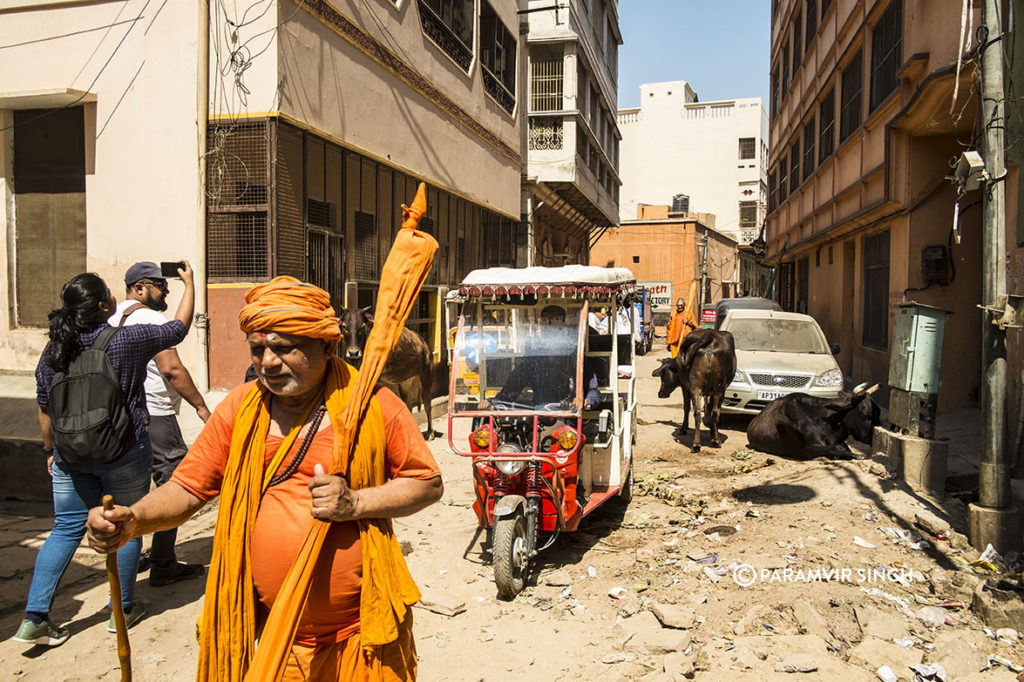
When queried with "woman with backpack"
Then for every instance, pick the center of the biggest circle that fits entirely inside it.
(92, 414)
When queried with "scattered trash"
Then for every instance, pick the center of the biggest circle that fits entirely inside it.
(753, 513)
(886, 674)
(671, 543)
(990, 555)
(875, 592)
(712, 576)
(944, 536)
(905, 642)
(617, 657)
(617, 593)
(591, 572)
(564, 594)
(1008, 635)
(640, 587)
(932, 671)
(999, 660)
(870, 517)
(702, 557)
(768, 627)
(932, 615)
(861, 542)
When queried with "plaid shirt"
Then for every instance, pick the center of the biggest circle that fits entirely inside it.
(129, 351)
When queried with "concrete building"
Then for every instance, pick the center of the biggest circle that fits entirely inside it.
(667, 253)
(279, 140)
(869, 104)
(699, 157)
(571, 179)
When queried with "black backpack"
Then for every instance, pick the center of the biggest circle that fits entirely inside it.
(91, 422)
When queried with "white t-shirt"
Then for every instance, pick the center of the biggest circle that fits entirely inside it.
(161, 398)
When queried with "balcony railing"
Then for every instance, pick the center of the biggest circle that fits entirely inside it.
(545, 133)
(445, 37)
(497, 90)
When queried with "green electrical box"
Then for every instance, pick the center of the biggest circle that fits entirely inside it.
(914, 363)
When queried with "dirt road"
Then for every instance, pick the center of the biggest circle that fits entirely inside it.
(734, 566)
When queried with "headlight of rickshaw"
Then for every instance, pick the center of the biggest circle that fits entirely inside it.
(567, 439)
(482, 438)
(510, 467)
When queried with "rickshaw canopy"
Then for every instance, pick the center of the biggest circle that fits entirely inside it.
(568, 280)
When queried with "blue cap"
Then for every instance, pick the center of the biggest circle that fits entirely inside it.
(143, 270)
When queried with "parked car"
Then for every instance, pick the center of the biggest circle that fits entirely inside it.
(778, 353)
(742, 303)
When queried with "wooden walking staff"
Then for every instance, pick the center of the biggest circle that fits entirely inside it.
(124, 649)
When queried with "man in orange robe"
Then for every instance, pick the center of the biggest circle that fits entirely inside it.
(682, 323)
(288, 419)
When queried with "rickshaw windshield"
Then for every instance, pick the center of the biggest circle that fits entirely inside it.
(520, 358)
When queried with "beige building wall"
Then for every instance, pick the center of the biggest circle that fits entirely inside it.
(887, 175)
(135, 72)
(402, 115)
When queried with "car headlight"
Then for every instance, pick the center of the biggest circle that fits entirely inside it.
(833, 377)
(740, 378)
(510, 467)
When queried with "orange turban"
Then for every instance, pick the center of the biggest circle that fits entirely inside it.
(286, 305)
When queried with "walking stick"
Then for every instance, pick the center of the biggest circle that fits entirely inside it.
(124, 649)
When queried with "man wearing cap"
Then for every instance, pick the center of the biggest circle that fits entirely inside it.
(167, 382)
(264, 452)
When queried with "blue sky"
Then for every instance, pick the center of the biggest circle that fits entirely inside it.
(721, 47)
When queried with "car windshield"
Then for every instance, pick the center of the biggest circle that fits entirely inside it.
(777, 335)
(516, 357)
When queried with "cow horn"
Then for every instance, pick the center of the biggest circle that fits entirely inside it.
(860, 388)
(871, 390)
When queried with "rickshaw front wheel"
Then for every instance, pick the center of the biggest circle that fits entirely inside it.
(510, 553)
(626, 491)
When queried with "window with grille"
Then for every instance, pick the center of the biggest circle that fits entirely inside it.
(775, 92)
(787, 298)
(798, 42)
(237, 180)
(886, 53)
(810, 23)
(783, 178)
(49, 197)
(748, 148)
(546, 80)
(876, 290)
(802, 284)
(498, 58)
(794, 170)
(365, 229)
(785, 71)
(809, 148)
(449, 24)
(748, 214)
(852, 86)
(773, 190)
(826, 125)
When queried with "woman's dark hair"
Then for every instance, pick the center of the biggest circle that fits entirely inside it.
(80, 312)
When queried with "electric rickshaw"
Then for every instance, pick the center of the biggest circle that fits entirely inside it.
(544, 405)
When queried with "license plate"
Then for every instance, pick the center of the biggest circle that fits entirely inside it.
(769, 395)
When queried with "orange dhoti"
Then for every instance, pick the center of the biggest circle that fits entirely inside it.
(345, 660)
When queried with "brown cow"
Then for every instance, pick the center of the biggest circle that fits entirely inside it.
(703, 368)
(410, 368)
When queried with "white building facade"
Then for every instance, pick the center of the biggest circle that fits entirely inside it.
(698, 157)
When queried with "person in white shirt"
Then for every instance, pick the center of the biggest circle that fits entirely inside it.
(167, 382)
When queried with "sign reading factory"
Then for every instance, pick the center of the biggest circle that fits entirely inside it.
(661, 294)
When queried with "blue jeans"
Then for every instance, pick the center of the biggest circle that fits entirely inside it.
(75, 491)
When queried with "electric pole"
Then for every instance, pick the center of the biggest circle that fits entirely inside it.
(703, 272)
(993, 520)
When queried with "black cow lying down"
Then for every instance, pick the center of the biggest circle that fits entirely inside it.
(804, 426)
(704, 366)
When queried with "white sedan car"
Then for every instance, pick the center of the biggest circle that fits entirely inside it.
(778, 353)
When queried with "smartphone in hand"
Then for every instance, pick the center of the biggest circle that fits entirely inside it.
(170, 269)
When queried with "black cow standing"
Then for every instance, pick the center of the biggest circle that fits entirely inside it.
(703, 368)
(410, 368)
(804, 426)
